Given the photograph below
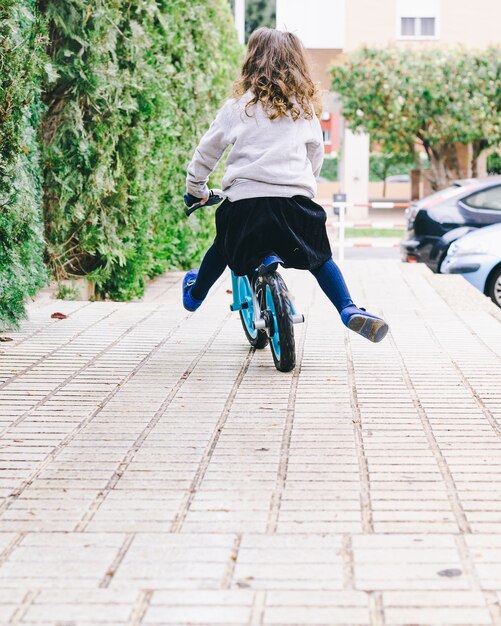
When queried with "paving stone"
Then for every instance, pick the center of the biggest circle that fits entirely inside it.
(205, 615)
(446, 616)
(153, 470)
(316, 616)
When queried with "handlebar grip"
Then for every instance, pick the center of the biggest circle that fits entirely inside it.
(213, 199)
(192, 209)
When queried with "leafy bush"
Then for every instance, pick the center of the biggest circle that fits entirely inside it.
(330, 169)
(380, 166)
(132, 86)
(21, 245)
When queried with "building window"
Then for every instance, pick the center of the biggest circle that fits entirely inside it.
(327, 136)
(488, 199)
(428, 27)
(417, 19)
(422, 27)
(408, 27)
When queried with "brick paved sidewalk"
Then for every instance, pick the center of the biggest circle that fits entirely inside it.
(155, 471)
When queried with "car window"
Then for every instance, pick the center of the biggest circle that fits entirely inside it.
(486, 199)
(442, 195)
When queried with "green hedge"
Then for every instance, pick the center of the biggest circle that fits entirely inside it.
(330, 168)
(21, 246)
(131, 88)
(128, 89)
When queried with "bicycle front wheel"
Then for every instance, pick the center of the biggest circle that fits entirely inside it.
(281, 329)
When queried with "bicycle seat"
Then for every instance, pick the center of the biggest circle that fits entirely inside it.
(269, 264)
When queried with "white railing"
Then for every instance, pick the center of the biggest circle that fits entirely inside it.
(339, 207)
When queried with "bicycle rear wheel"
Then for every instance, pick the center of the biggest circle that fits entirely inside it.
(257, 338)
(281, 329)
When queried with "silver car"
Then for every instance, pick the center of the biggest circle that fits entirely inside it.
(477, 256)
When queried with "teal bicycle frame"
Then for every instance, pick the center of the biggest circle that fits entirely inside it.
(246, 301)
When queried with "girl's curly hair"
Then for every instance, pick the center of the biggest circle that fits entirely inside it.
(275, 70)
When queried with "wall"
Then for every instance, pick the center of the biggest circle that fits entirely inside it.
(320, 60)
(394, 191)
(330, 25)
(369, 22)
(292, 15)
(472, 24)
(332, 125)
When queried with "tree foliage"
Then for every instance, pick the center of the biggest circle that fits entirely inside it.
(381, 165)
(131, 87)
(21, 245)
(259, 13)
(431, 98)
(494, 163)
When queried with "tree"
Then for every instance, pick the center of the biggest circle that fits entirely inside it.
(494, 163)
(259, 13)
(382, 165)
(436, 99)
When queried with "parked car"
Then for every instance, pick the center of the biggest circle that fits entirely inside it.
(436, 221)
(398, 178)
(477, 256)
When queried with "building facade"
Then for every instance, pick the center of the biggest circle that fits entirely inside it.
(421, 22)
(329, 28)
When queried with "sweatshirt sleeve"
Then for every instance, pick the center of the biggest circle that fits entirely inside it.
(208, 153)
(315, 148)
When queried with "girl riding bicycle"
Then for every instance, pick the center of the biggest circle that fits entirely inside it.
(270, 179)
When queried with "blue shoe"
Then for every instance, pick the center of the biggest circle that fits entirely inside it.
(369, 326)
(189, 303)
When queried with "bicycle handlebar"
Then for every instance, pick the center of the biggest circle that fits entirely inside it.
(215, 197)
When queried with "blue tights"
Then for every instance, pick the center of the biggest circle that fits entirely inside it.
(328, 275)
(213, 265)
(331, 281)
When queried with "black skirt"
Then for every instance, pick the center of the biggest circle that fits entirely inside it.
(294, 228)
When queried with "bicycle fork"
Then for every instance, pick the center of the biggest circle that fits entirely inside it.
(259, 320)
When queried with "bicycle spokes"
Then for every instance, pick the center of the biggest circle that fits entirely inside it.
(267, 314)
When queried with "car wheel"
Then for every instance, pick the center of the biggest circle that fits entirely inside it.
(494, 286)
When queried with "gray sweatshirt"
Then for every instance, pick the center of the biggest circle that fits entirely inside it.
(268, 158)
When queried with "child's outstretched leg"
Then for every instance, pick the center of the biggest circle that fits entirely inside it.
(331, 281)
(196, 283)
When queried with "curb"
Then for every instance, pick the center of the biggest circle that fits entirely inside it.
(364, 244)
(399, 225)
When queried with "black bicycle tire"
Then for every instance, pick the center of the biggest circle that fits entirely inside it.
(260, 341)
(285, 325)
(490, 291)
